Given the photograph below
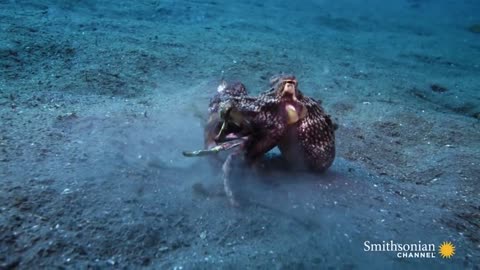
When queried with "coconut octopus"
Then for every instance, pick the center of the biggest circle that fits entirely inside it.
(280, 117)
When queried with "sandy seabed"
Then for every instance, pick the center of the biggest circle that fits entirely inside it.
(99, 98)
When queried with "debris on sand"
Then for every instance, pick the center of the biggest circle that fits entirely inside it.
(67, 116)
(438, 88)
(474, 28)
(203, 235)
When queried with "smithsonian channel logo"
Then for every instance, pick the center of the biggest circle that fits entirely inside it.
(412, 250)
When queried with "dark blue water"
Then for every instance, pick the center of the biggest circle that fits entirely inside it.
(98, 99)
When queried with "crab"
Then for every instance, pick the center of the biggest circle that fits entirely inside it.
(281, 116)
(217, 129)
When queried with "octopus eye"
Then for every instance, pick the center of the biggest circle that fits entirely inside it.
(294, 82)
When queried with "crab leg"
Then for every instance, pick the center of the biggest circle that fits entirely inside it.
(221, 147)
(227, 181)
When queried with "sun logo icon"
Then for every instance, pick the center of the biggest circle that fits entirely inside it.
(446, 250)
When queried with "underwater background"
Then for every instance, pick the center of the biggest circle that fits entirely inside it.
(98, 99)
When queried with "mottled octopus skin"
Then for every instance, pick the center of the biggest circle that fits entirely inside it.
(307, 144)
(265, 123)
(310, 142)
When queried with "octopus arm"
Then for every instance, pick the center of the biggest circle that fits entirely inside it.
(316, 137)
